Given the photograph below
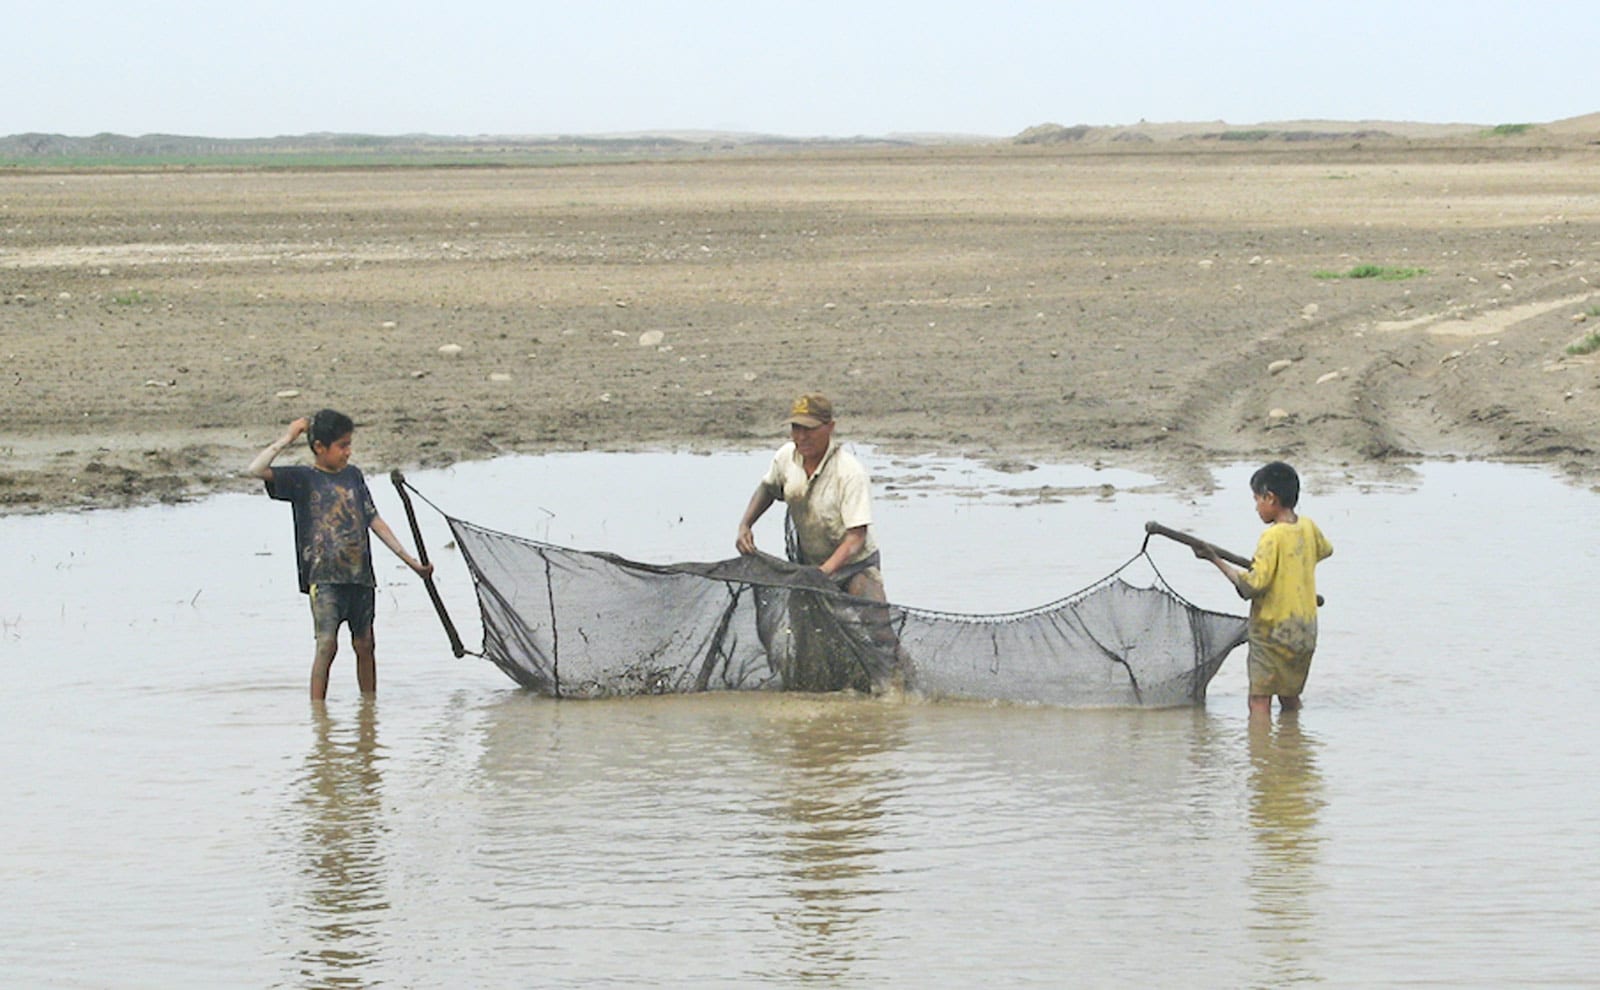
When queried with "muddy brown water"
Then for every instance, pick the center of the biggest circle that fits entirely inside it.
(178, 814)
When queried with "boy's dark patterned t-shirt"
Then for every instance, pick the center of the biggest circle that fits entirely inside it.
(331, 516)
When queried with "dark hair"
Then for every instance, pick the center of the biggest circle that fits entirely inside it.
(1279, 479)
(327, 426)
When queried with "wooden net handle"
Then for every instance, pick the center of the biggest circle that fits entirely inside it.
(1156, 529)
(422, 555)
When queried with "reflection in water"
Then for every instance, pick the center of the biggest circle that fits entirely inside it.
(1285, 797)
(831, 811)
(341, 803)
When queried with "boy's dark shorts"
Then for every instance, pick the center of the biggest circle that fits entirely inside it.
(348, 604)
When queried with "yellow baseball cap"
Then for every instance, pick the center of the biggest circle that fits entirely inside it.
(811, 410)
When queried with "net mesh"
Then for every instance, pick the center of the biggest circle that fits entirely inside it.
(582, 624)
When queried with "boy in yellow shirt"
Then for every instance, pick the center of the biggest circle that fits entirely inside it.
(1281, 586)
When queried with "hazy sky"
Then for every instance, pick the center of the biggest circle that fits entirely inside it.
(823, 67)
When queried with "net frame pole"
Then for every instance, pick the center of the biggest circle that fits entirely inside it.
(1156, 529)
(456, 647)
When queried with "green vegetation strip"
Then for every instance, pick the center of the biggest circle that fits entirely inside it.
(1587, 344)
(312, 160)
(1383, 273)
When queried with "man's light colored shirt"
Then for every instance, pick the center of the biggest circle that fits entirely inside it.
(834, 499)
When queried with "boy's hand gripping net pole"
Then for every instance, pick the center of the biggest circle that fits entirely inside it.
(422, 555)
(1156, 529)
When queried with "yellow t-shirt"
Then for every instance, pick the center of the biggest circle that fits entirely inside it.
(1281, 582)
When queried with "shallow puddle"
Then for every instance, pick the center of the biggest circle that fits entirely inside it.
(179, 815)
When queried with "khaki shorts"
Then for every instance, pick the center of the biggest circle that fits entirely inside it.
(1280, 659)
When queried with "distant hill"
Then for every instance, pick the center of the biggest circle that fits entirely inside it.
(1302, 131)
(323, 149)
(1588, 124)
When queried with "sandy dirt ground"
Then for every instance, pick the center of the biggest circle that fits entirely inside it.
(1154, 307)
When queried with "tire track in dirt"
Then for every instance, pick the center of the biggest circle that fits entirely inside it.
(1447, 383)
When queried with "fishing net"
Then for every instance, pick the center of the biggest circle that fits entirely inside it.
(581, 624)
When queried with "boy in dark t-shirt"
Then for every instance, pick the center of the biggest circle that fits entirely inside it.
(333, 511)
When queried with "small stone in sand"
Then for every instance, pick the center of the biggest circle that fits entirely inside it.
(451, 350)
(289, 393)
(1330, 376)
(1278, 414)
(1279, 365)
(651, 338)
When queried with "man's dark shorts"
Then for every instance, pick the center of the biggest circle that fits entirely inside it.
(336, 604)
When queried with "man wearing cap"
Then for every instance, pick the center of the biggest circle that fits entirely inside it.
(826, 490)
